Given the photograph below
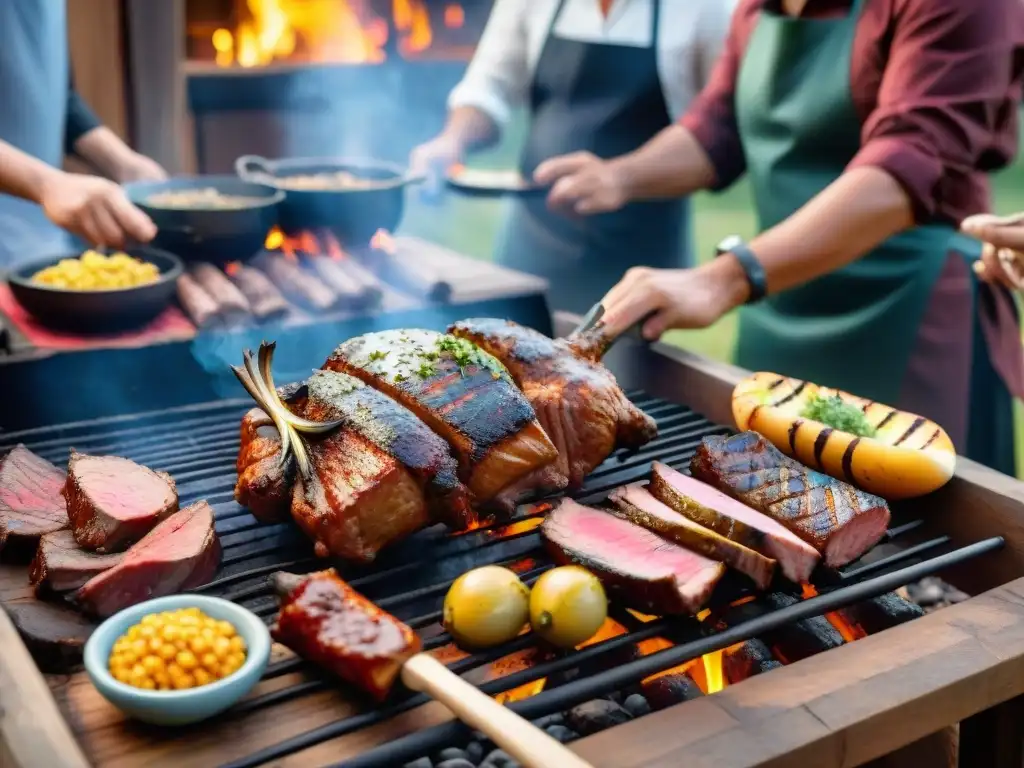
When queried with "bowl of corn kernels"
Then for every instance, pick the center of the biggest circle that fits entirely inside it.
(97, 292)
(179, 659)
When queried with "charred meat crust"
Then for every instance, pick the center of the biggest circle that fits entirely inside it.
(577, 400)
(461, 393)
(264, 487)
(60, 565)
(30, 501)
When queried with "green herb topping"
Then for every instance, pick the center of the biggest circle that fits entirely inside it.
(838, 414)
(377, 354)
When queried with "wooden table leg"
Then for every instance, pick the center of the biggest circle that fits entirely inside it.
(994, 738)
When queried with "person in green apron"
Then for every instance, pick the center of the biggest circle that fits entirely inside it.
(866, 128)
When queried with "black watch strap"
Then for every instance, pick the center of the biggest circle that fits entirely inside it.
(751, 266)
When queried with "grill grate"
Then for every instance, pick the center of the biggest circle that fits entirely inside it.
(198, 446)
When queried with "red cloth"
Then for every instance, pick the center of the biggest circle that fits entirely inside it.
(172, 325)
(936, 84)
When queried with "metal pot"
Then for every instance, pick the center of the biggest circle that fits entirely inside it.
(216, 235)
(352, 214)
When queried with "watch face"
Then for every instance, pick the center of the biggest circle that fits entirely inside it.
(728, 244)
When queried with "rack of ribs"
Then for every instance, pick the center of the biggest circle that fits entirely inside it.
(577, 400)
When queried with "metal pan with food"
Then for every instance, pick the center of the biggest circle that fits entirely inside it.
(216, 219)
(488, 182)
(352, 198)
(96, 292)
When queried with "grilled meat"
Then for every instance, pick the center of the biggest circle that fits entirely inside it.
(838, 520)
(113, 502)
(264, 487)
(60, 565)
(327, 622)
(397, 431)
(650, 574)
(734, 520)
(54, 634)
(30, 500)
(359, 498)
(577, 400)
(182, 552)
(466, 397)
(637, 505)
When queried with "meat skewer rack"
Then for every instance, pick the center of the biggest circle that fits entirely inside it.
(846, 706)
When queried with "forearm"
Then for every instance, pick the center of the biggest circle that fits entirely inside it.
(471, 128)
(851, 216)
(102, 148)
(672, 164)
(22, 175)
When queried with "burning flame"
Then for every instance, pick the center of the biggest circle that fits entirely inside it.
(336, 31)
(849, 632)
(383, 241)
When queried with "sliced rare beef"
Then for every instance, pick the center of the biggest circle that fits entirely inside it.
(734, 520)
(577, 400)
(30, 499)
(182, 552)
(60, 565)
(55, 635)
(838, 520)
(467, 397)
(638, 506)
(651, 574)
(113, 502)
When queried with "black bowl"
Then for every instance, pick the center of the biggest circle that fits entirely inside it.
(109, 311)
(216, 235)
(353, 215)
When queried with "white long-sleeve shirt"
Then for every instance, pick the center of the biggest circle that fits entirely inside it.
(691, 34)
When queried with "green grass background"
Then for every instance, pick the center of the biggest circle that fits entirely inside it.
(472, 225)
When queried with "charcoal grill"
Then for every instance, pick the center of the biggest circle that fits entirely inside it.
(198, 446)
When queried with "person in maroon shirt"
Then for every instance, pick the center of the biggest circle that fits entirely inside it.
(866, 128)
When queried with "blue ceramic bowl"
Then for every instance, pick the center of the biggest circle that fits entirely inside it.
(178, 707)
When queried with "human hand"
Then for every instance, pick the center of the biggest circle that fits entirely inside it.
(674, 298)
(1003, 251)
(433, 159)
(582, 183)
(96, 209)
(137, 167)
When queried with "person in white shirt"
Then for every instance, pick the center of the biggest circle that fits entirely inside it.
(599, 76)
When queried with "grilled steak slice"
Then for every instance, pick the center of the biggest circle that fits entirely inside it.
(264, 487)
(30, 500)
(467, 397)
(113, 502)
(637, 505)
(359, 498)
(734, 520)
(395, 430)
(838, 520)
(650, 574)
(577, 400)
(54, 634)
(327, 622)
(60, 565)
(182, 552)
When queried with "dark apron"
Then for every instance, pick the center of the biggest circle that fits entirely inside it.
(859, 327)
(605, 99)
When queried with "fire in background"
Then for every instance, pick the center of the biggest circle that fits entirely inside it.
(256, 33)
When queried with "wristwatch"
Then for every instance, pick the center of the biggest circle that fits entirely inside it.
(752, 268)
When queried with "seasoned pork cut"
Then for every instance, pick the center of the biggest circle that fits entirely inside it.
(838, 520)
(651, 574)
(577, 400)
(637, 505)
(467, 397)
(264, 487)
(734, 520)
(30, 500)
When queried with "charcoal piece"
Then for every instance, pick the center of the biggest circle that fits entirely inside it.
(556, 719)
(450, 753)
(498, 758)
(636, 705)
(401, 267)
(232, 305)
(596, 715)
(561, 734)
(423, 762)
(669, 690)
(458, 762)
(265, 301)
(55, 635)
(751, 658)
(299, 284)
(199, 305)
(881, 613)
(790, 642)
